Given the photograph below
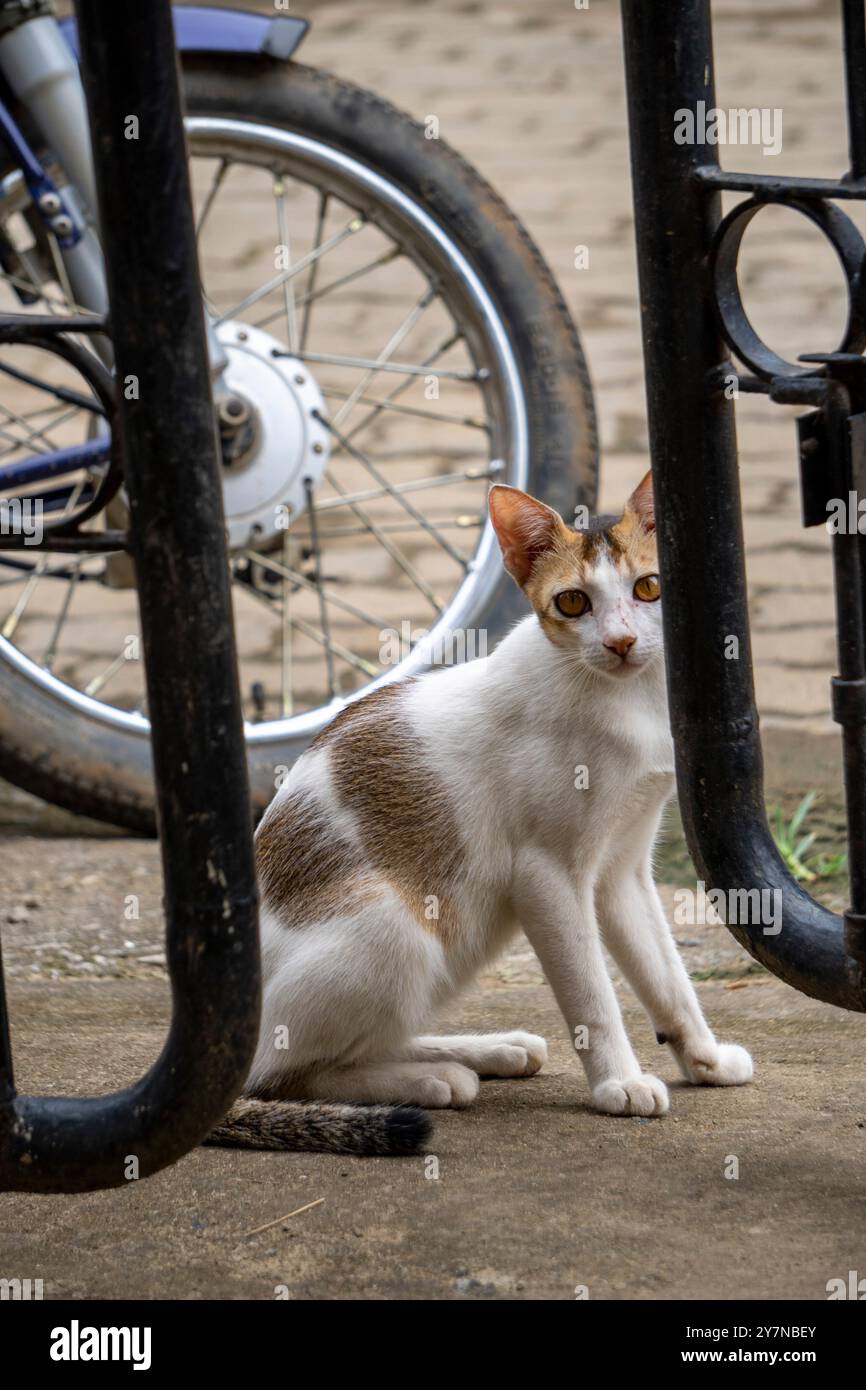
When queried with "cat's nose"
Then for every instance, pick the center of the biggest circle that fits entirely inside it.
(621, 645)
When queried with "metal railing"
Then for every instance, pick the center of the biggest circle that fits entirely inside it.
(693, 317)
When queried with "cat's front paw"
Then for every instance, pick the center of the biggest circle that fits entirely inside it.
(640, 1095)
(725, 1064)
(532, 1046)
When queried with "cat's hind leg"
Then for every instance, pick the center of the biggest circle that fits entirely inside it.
(342, 999)
(434, 1084)
(488, 1054)
(433, 1071)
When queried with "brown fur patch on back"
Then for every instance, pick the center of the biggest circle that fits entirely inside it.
(409, 837)
(407, 827)
(306, 870)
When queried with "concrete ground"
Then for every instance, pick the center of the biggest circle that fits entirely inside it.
(535, 1196)
(530, 1196)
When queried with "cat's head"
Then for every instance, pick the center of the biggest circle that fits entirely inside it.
(595, 591)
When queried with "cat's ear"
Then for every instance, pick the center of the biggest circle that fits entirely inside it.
(641, 503)
(525, 527)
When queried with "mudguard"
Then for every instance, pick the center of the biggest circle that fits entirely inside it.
(204, 29)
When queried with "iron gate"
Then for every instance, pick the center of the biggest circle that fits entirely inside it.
(693, 317)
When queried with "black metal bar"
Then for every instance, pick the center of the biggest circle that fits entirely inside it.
(669, 67)
(7, 1077)
(774, 187)
(851, 660)
(15, 327)
(177, 525)
(854, 32)
(844, 427)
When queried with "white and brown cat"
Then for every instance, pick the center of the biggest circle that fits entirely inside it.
(435, 817)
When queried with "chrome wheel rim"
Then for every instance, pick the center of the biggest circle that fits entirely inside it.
(345, 183)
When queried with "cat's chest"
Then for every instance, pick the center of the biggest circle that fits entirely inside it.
(620, 809)
(588, 790)
(632, 793)
(629, 756)
(627, 777)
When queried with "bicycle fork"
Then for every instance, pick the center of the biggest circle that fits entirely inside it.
(42, 73)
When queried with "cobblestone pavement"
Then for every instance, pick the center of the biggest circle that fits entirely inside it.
(534, 96)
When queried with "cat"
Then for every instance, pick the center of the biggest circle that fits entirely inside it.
(436, 816)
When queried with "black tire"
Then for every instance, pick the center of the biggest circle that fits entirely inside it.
(47, 746)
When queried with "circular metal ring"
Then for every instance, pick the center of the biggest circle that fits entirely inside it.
(736, 327)
(15, 330)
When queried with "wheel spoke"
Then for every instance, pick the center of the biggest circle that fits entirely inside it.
(336, 648)
(216, 184)
(427, 366)
(314, 267)
(305, 300)
(29, 287)
(404, 563)
(32, 434)
(311, 297)
(39, 569)
(62, 393)
(360, 457)
(469, 475)
(263, 291)
(54, 641)
(438, 418)
(386, 528)
(286, 693)
(300, 581)
(397, 337)
(288, 286)
(20, 282)
(324, 616)
(334, 359)
(99, 682)
(15, 444)
(42, 410)
(12, 621)
(62, 277)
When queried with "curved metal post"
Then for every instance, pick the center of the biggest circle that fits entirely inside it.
(167, 426)
(669, 69)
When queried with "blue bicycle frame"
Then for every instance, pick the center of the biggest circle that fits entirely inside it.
(198, 29)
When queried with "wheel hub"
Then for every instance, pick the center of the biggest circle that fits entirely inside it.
(275, 405)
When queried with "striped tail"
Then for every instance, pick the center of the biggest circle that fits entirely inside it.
(314, 1126)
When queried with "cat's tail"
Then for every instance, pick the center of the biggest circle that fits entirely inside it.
(324, 1128)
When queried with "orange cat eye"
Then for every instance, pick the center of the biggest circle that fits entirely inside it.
(647, 588)
(572, 603)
